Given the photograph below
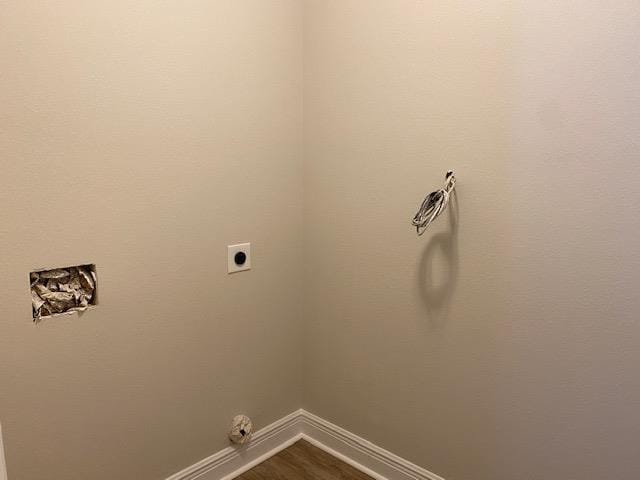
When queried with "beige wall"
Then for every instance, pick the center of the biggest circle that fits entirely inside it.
(145, 137)
(504, 347)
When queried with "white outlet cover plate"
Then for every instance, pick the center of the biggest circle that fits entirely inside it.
(232, 250)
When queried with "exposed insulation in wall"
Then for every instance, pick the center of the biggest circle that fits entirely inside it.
(62, 290)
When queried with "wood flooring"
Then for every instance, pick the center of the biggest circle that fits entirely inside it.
(303, 461)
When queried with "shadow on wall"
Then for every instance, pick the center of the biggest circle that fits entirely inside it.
(437, 290)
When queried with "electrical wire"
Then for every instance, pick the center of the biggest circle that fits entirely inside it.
(434, 204)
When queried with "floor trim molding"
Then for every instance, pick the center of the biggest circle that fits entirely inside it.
(3, 466)
(348, 447)
(367, 457)
(232, 461)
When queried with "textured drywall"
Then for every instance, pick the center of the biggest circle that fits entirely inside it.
(503, 344)
(144, 137)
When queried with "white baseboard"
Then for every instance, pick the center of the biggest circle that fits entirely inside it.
(3, 467)
(232, 461)
(360, 453)
(348, 447)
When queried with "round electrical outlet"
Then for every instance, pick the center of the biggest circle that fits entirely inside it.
(240, 258)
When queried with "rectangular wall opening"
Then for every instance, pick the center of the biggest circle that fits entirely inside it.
(63, 290)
